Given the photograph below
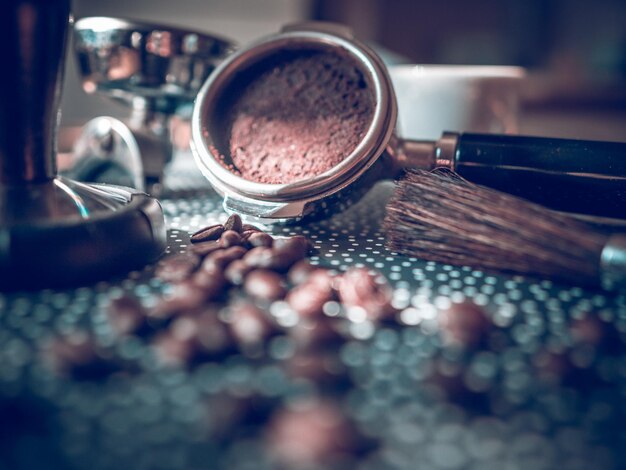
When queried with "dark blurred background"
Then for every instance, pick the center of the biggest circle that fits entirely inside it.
(575, 50)
(533, 33)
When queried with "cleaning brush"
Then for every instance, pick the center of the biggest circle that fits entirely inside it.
(439, 216)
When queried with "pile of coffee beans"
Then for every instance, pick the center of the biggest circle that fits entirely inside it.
(247, 270)
(222, 290)
(236, 291)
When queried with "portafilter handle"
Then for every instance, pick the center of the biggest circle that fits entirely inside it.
(577, 176)
(33, 36)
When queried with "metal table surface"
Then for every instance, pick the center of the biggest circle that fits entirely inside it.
(491, 408)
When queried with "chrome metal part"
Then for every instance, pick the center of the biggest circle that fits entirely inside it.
(613, 263)
(446, 150)
(107, 151)
(125, 59)
(155, 70)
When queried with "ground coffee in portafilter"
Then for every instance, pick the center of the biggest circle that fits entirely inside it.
(296, 118)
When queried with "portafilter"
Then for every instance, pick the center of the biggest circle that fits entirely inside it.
(576, 176)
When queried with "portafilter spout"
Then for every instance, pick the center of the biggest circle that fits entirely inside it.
(54, 231)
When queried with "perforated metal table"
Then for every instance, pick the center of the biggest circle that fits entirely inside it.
(156, 417)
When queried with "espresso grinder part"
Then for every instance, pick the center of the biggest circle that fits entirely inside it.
(156, 70)
(54, 231)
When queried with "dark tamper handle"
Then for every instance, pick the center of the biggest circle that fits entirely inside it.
(32, 44)
(586, 177)
(56, 232)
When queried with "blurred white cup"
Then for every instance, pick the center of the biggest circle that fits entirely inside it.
(437, 98)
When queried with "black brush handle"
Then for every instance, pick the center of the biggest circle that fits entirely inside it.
(586, 177)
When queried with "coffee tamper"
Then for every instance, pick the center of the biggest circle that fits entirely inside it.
(55, 231)
(156, 70)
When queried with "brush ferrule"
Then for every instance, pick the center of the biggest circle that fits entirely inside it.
(613, 263)
(411, 154)
(445, 150)
(423, 154)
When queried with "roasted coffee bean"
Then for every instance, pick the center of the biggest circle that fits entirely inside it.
(250, 325)
(313, 434)
(77, 356)
(173, 351)
(206, 248)
(317, 334)
(213, 335)
(278, 259)
(282, 260)
(361, 289)
(234, 252)
(322, 279)
(185, 295)
(233, 223)
(237, 271)
(193, 338)
(212, 232)
(592, 331)
(324, 368)
(250, 228)
(222, 258)
(308, 299)
(308, 302)
(213, 283)
(126, 315)
(264, 284)
(230, 238)
(259, 239)
(465, 324)
(177, 267)
(298, 244)
(300, 272)
(259, 257)
(245, 235)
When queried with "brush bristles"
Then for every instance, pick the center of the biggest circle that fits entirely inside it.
(441, 217)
